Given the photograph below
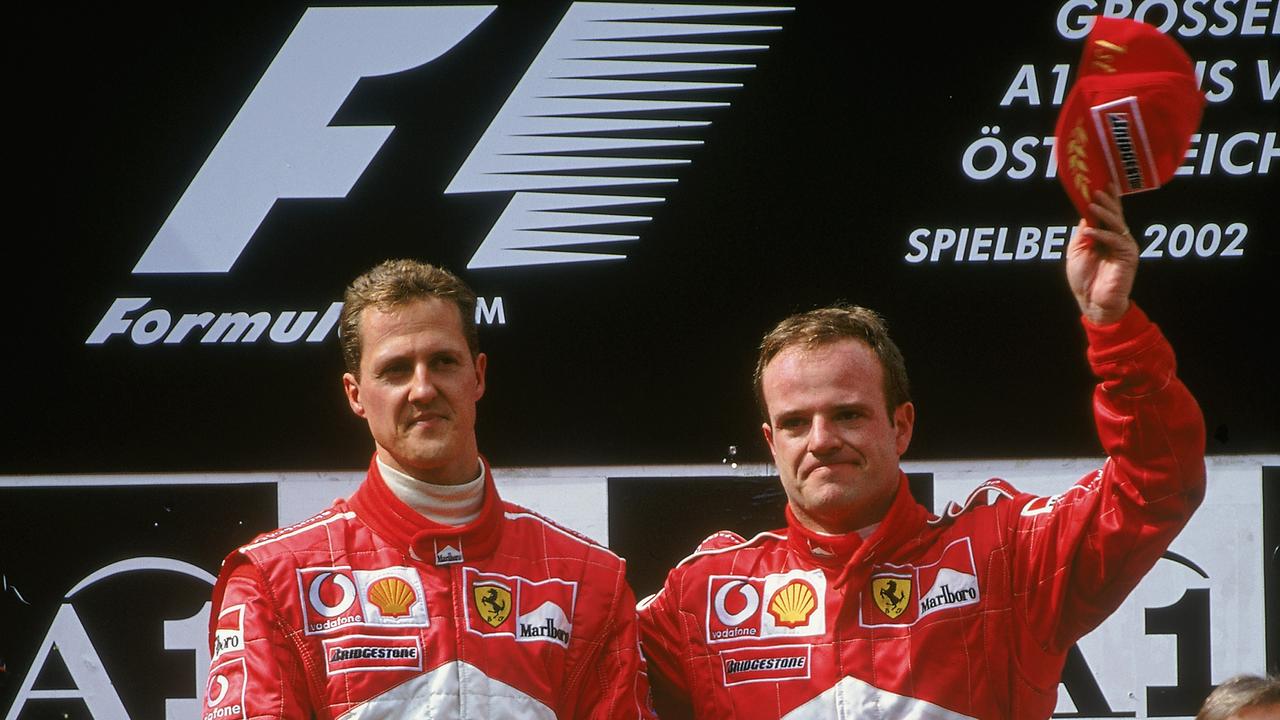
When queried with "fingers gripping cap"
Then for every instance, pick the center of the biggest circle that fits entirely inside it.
(1130, 116)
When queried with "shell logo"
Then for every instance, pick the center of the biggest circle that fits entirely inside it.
(392, 596)
(793, 604)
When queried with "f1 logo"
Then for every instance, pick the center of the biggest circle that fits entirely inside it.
(544, 145)
(280, 144)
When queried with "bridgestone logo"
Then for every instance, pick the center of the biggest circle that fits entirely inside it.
(773, 663)
(1124, 143)
(547, 630)
(373, 653)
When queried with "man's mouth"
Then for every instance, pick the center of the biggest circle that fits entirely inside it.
(833, 464)
(427, 420)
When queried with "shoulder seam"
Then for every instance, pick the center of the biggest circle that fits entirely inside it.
(523, 513)
(736, 546)
(308, 524)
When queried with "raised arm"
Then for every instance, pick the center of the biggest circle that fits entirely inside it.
(1102, 261)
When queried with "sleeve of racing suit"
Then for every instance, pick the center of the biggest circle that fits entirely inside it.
(254, 672)
(661, 636)
(613, 682)
(1081, 552)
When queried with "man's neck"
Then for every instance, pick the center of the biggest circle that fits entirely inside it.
(818, 528)
(456, 504)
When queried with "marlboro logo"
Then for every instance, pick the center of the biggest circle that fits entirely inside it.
(949, 583)
(902, 595)
(519, 608)
(548, 629)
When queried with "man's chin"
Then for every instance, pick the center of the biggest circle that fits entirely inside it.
(422, 455)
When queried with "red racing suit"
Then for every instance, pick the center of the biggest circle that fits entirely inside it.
(968, 615)
(369, 610)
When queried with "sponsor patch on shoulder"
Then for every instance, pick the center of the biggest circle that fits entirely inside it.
(228, 636)
(900, 595)
(352, 653)
(766, 664)
(224, 694)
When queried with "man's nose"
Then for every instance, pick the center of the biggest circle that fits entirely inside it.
(823, 436)
(423, 387)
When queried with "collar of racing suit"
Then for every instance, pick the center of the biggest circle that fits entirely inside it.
(423, 539)
(849, 557)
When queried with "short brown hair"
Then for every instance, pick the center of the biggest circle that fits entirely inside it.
(832, 324)
(397, 282)
(1239, 693)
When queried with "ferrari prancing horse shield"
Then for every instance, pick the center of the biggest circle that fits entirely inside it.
(891, 594)
(493, 602)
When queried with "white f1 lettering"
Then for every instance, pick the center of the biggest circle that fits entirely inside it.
(280, 144)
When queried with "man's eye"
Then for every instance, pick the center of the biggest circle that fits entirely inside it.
(395, 370)
(792, 423)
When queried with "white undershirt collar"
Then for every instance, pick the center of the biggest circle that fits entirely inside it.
(444, 504)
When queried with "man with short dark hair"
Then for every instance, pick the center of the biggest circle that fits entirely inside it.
(423, 594)
(866, 605)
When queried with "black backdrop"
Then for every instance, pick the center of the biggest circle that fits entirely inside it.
(847, 136)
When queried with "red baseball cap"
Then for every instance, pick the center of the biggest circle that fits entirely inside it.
(1130, 115)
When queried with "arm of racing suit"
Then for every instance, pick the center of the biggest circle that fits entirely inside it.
(1083, 551)
(663, 633)
(660, 636)
(612, 680)
(255, 665)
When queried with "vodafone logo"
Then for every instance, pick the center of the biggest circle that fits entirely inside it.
(344, 585)
(216, 696)
(750, 599)
(329, 599)
(224, 695)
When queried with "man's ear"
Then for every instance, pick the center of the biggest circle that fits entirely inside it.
(904, 421)
(351, 386)
(767, 429)
(482, 363)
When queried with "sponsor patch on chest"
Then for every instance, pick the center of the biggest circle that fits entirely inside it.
(352, 653)
(772, 663)
(901, 595)
(791, 604)
(525, 610)
(336, 597)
